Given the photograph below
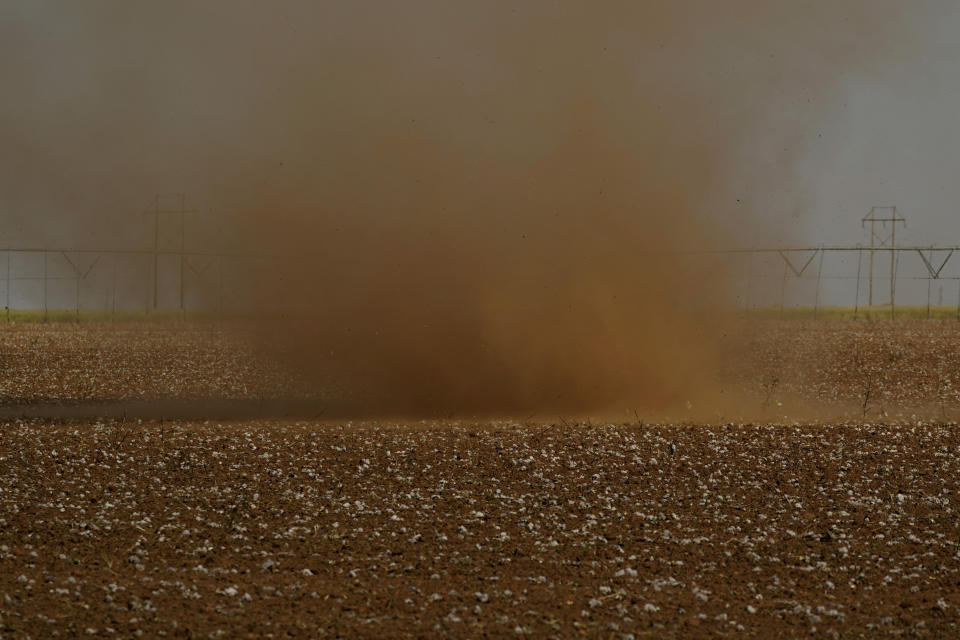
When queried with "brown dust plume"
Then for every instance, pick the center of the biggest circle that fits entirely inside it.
(468, 207)
(512, 222)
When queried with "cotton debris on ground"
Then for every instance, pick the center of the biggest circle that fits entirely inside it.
(447, 529)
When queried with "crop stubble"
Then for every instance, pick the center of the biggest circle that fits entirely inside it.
(447, 528)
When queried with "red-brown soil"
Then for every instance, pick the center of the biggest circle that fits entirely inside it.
(458, 529)
(64, 361)
(310, 530)
(852, 369)
(877, 368)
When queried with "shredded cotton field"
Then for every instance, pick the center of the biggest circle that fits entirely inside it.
(479, 319)
(462, 530)
(823, 369)
(547, 526)
(863, 369)
(135, 360)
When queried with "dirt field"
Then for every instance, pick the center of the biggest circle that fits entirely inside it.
(99, 361)
(259, 528)
(871, 368)
(856, 369)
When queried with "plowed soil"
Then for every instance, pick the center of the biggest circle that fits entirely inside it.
(285, 528)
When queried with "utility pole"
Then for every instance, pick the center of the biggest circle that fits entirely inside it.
(877, 241)
(156, 212)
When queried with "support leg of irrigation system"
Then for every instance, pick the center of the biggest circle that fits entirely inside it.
(45, 311)
(893, 266)
(156, 253)
(183, 248)
(113, 291)
(816, 299)
(893, 282)
(856, 299)
(783, 288)
(146, 300)
(8, 287)
(76, 290)
(220, 291)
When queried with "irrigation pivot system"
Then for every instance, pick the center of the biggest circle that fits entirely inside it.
(171, 275)
(797, 260)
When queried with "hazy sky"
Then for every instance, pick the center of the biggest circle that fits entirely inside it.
(838, 105)
(890, 136)
(473, 205)
(884, 133)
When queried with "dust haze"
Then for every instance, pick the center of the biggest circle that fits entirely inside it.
(469, 208)
(510, 223)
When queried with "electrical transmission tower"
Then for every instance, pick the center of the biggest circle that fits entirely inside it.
(156, 212)
(888, 215)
